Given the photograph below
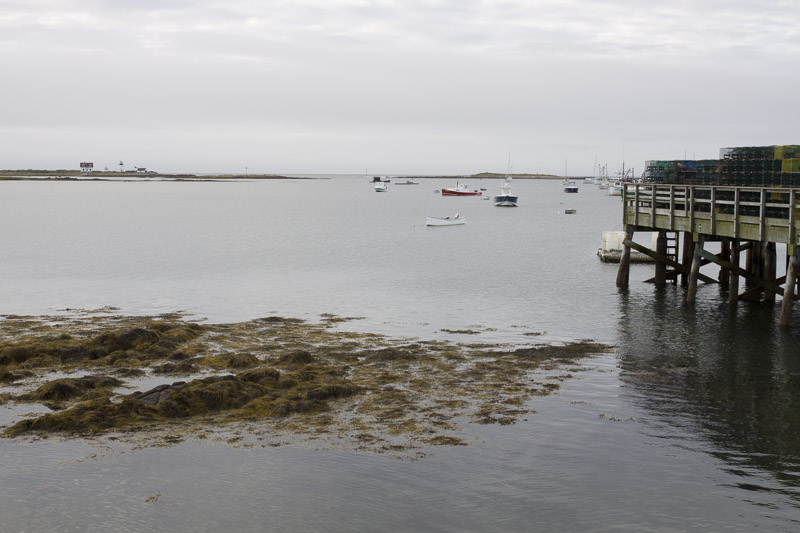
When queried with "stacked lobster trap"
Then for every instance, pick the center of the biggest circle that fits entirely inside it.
(746, 166)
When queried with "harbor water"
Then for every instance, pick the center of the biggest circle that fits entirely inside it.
(690, 423)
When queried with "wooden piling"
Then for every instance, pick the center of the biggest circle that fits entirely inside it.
(788, 293)
(623, 273)
(661, 267)
(758, 259)
(725, 253)
(686, 256)
(733, 278)
(769, 272)
(691, 292)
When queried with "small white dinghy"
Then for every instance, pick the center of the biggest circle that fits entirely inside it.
(446, 221)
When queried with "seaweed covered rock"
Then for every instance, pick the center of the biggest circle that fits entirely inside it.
(69, 388)
(258, 375)
(296, 358)
(231, 361)
(567, 351)
(158, 393)
(393, 354)
(261, 392)
(144, 343)
(11, 377)
(330, 391)
(183, 367)
(207, 395)
(269, 370)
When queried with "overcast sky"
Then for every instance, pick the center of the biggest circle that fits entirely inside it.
(392, 87)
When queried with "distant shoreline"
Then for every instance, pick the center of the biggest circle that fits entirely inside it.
(75, 175)
(487, 175)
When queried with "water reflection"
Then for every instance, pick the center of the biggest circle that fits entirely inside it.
(726, 372)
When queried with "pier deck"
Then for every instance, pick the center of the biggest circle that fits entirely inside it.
(743, 219)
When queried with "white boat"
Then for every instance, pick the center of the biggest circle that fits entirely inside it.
(505, 198)
(570, 186)
(381, 186)
(615, 189)
(456, 220)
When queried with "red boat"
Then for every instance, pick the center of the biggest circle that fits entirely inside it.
(461, 189)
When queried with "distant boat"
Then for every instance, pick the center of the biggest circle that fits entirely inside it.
(505, 198)
(602, 176)
(380, 179)
(381, 186)
(461, 189)
(456, 220)
(618, 187)
(615, 189)
(570, 186)
(407, 182)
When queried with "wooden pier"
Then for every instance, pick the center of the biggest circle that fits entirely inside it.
(749, 220)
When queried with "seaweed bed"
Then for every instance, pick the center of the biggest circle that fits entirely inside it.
(273, 380)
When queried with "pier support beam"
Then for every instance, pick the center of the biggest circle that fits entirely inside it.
(788, 293)
(759, 284)
(733, 278)
(757, 264)
(624, 272)
(770, 266)
(691, 293)
(661, 267)
(667, 261)
(725, 253)
(752, 257)
(686, 257)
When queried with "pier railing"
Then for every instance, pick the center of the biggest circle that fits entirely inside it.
(759, 214)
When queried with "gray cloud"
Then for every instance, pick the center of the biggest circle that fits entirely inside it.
(410, 87)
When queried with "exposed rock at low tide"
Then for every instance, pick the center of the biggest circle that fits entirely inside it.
(272, 376)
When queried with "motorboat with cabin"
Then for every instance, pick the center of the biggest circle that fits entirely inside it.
(461, 189)
(615, 189)
(505, 198)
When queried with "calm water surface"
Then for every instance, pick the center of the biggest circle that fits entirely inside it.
(693, 424)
